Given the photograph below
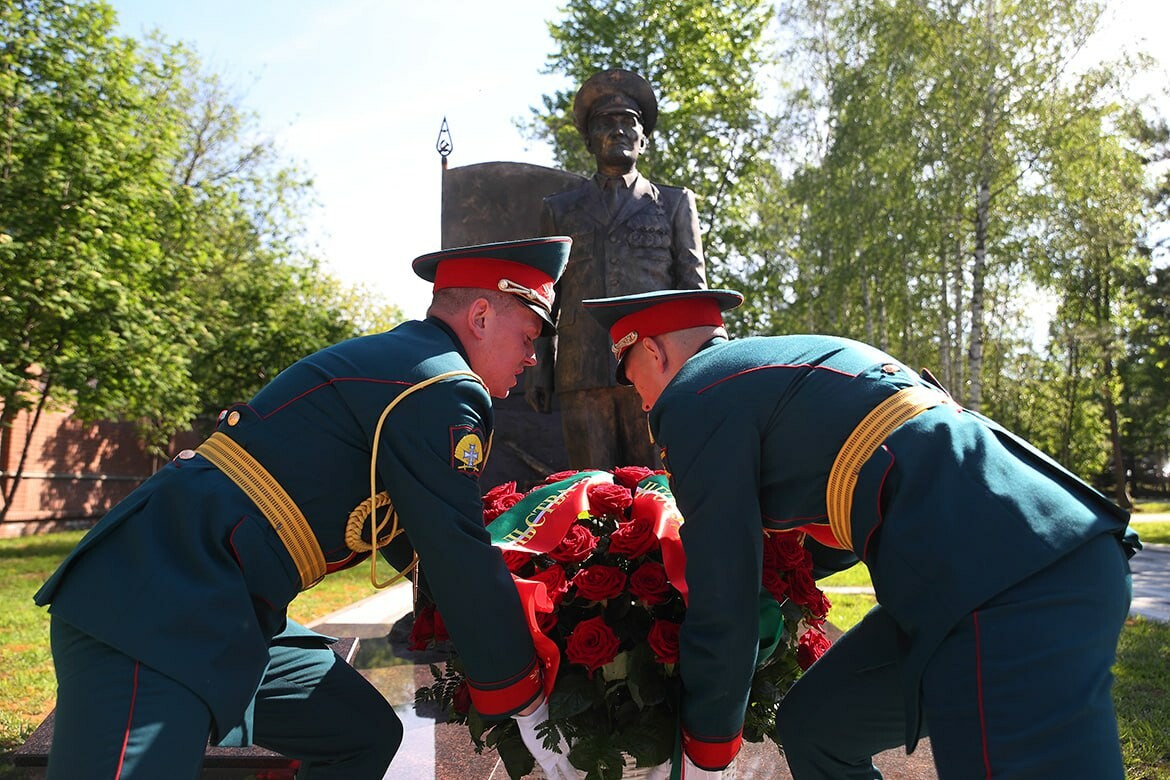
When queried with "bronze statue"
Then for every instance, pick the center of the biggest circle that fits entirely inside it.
(630, 235)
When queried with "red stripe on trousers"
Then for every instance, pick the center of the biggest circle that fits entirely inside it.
(129, 721)
(979, 693)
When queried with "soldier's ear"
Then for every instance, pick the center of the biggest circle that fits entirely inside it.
(656, 350)
(478, 314)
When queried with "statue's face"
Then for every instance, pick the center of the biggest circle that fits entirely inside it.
(616, 139)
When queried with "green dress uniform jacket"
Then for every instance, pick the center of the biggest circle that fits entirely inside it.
(948, 512)
(187, 576)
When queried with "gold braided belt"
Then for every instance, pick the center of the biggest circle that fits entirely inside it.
(863, 442)
(272, 500)
(286, 517)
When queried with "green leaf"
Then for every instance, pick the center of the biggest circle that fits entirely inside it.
(647, 684)
(574, 693)
(517, 760)
(650, 739)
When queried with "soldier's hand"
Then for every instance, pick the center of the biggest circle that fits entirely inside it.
(692, 772)
(555, 765)
(660, 772)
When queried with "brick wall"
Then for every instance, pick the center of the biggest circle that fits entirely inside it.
(74, 471)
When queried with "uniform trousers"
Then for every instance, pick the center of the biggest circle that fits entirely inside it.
(118, 718)
(605, 427)
(1020, 688)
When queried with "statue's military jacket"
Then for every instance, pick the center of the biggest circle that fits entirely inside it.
(652, 243)
(187, 576)
(949, 511)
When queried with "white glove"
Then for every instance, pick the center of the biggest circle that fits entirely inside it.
(660, 772)
(555, 765)
(692, 772)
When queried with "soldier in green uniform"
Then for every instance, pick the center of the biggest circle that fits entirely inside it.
(1002, 580)
(169, 618)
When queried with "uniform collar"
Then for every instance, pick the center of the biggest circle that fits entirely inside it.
(627, 178)
(454, 337)
(711, 342)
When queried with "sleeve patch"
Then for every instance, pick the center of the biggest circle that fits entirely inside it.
(468, 453)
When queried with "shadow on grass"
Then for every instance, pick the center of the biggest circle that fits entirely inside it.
(41, 548)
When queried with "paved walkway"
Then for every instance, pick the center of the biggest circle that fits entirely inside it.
(1151, 582)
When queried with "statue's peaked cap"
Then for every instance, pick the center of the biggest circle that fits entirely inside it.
(600, 89)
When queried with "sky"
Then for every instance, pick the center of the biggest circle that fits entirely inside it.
(355, 91)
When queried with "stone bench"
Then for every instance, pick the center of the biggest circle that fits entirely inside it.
(219, 763)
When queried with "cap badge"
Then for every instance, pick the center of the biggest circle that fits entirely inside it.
(624, 343)
(541, 296)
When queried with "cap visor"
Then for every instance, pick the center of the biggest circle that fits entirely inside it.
(620, 374)
(547, 326)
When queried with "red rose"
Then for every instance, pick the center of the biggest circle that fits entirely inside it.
(785, 551)
(500, 506)
(577, 545)
(663, 640)
(461, 700)
(592, 644)
(634, 537)
(423, 629)
(606, 498)
(802, 589)
(630, 476)
(278, 774)
(558, 476)
(597, 583)
(517, 560)
(811, 646)
(546, 622)
(555, 582)
(498, 492)
(775, 584)
(499, 500)
(649, 583)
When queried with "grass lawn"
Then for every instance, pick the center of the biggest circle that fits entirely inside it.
(1152, 506)
(27, 685)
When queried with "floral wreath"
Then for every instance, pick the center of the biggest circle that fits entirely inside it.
(605, 550)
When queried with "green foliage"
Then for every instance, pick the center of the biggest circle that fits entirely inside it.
(84, 183)
(1145, 373)
(944, 174)
(151, 248)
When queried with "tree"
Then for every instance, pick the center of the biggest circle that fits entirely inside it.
(145, 233)
(259, 296)
(1097, 184)
(958, 174)
(88, 308)
(1145, 367)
